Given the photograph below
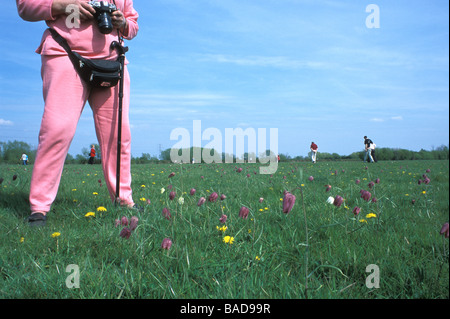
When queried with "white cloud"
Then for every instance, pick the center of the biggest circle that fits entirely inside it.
(265, 61)
(376, 119)
(397, 118)
(6, 122)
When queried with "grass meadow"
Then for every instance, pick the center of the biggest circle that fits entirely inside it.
(316, 251)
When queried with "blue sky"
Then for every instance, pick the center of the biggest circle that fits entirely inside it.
(310, 68)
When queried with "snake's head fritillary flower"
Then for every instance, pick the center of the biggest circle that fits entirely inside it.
(328, 188)
(223, 219)
(172, 195)
(310, 178)
(377, 181)
(357, 181)
(124, 221)
(133, 223)
(374, 199)
(166, 243)
(356, 210)
(243, 212)
(371, 184)
(125, 233)
(239, 169)
(428, 170)
(166, 213)
(445, 230)
(213, 197)
(338, 200)
(261, 199)
(14, 177)
(288, 202)
(192, 191)
(201, 201)
(222, 197)
(171, 175)
(366, 195)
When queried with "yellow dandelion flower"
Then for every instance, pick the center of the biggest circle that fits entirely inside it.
(101, 209)
(363, 221)
(302, 185)
(222, 229)
(371, 215)
(142, 186)
(424, 192)
(228, 240)
(257, 258)
(142, 199)
(55, 234)
(261, 210)
(94, 193)
(22, 239)
(266, 208)
(74, 189)
(90, 214)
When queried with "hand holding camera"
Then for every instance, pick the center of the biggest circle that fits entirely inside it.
(104, 12)
(118, 20)
(86, 11)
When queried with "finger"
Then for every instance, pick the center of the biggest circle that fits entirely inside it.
(86, 7)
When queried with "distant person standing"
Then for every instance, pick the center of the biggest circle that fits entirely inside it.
(24, 159)
(368, 150)
(372, 152)
(92, 155)
(313, 148)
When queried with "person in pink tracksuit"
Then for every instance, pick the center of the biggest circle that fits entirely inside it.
(65, 95)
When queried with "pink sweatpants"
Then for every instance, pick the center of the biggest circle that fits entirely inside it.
(65, 95)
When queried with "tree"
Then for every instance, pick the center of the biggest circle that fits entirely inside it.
(11, 151)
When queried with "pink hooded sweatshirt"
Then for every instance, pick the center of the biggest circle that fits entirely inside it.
(87, 39)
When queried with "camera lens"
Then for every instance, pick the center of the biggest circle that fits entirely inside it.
(104, 23)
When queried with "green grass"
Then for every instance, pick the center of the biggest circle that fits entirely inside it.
(270, 256)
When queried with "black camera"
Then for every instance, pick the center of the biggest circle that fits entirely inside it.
(103, 10)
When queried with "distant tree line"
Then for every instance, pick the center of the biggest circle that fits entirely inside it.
(11, 153)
